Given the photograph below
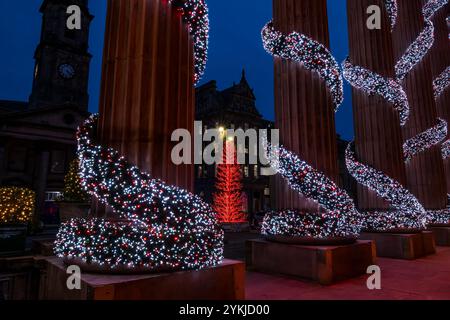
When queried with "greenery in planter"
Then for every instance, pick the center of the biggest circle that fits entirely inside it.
(16, 205)
(73, 192)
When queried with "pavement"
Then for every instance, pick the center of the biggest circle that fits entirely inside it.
(427, 278)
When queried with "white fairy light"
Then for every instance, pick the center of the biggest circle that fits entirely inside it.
(311, 54)
(167, 227)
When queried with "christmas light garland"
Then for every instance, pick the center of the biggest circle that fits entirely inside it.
(408, 213)
(311, 54)
(413, 56)
(441, 83)
(340, 217)
(195, 14)
(16, 205)
(446, 150)
(392, 9)
(167, 228)
(373, 83)
(425, 140)
(416, 51)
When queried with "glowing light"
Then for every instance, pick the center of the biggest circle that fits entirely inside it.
(167, 228)
(408, 213)
(425, 140)
(309, 53)
(373, 83)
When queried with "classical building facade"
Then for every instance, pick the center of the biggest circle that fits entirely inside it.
(233, 108)
(37, 137)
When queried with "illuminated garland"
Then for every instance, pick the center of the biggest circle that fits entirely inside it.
(373, 83)
(408, 213)
(340, 217)
(169, 228)
(431, 7)
(195, 14)
(392, 9)
(439, 217)
(441, 83)
(446, 150)
(311, 54)
(425, 140)
(416, 51)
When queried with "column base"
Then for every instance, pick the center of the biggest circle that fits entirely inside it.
(402, 246)
(223, 282)
(324, 264)
(442, 236)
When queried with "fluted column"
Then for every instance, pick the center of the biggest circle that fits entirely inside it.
(147, 85)
(425, 172)
(303, 106)
(440, 60)
(378, 137)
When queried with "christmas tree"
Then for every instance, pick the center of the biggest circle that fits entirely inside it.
(228, 200)
(72, 185)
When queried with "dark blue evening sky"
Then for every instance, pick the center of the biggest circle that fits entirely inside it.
(235, 43)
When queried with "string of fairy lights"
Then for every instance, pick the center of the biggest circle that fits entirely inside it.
(432, 137)
(425, 140)
(373, 83)
(392, 10)
(195, 14)
(408, 213)
(311, 54)
(16, 205)
(340, 217)
(159, 227)
(165, 227)
(441, 83)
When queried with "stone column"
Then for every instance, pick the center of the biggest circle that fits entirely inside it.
(147, 85)
(440, 60)
(303, 105)
(378, 137)
(425, 172)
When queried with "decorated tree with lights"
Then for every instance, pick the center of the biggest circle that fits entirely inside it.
(72, 185)
(228, 201)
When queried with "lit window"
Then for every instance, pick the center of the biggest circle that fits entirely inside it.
(256, 171)
(267, 192)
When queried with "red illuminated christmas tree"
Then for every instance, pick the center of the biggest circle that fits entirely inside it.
(228, 200)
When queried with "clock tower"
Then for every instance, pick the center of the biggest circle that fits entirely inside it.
(62, 58)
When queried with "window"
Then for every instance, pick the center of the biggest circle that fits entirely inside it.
(246, 171)
(256, 171)
(267, 191)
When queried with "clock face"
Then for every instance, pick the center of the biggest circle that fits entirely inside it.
(66, 71)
